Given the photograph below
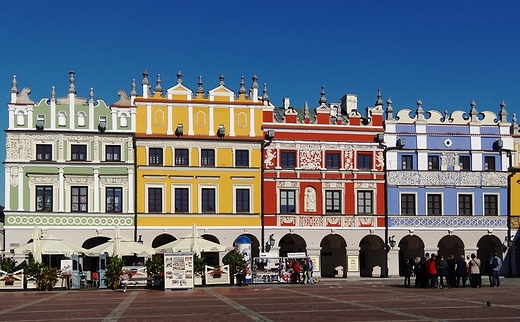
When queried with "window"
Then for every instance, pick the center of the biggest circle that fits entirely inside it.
(207, 157)
(113, 153)
(79, 200)
(43, 152)
(490, 205)
(407, 162)
(489, 163)
(155, 156)
(288, 159)
(287, 201)
(241, 158)
(62, 119)
(20, 118)
(40, 121)
(181, 200)
(465, 205)
(408, 205)
(182, 157)
(364, 202)
(44, 198)
(154, 200)
(464, 163)
(333, 201)
(364, 161)
(114, 200)
(433, 162)
(332, 160)
(434, 205)
(78, 152)
(208, 200)
(242, 200)
(123, 120)
(81, 119)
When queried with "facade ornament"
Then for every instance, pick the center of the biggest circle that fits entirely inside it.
(473, 113)
(179, 77)
(255, 84)
(53, 94)
(323, 99)
(72, 88)
(503, 112)
(389, 110)
(133, 92)
(221, 78)
(420, 111)
(14, 89)
(379, 101)
(91, 95)
(265, 97)
(200, 89)
(242, 89)
(306, 109)
(145, 78)
(158, 87)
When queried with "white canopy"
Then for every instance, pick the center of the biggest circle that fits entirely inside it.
(191, 243)
(121, 246)
(48, 245)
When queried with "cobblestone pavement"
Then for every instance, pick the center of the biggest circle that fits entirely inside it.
(330, 300)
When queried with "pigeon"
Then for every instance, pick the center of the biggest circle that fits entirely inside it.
(488, 303)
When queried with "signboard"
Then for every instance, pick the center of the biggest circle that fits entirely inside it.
(178, 271)
(244, 249)
(217, 275)
(296, 255)
(266, 269)
(315, 263)
(353, 263)
(66, 267)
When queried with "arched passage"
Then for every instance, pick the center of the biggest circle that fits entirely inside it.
(372, 256)
(487, 245)
(92, 263)
(333, 254)
(292, 243)
(451, 245)
(162, 239)
(410, 247)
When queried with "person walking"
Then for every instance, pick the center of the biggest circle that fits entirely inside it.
(407, 272)
(460, 271)
(442, 272)
(310, 268)
(496, 266)
(488, 269)
(474, 269)
(452, 276)
(431, 269)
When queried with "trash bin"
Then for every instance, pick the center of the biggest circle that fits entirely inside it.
(240, 279)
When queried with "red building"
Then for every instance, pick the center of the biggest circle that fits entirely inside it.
(323, 188)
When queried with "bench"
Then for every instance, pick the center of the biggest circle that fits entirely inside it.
(136, 281)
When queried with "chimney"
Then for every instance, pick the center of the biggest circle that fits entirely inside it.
(286, 102)
(349, 103)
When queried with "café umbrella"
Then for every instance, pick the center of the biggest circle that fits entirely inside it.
(48, 245)
(191, 243)
(121, 246)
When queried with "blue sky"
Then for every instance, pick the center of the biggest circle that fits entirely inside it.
(446, 53)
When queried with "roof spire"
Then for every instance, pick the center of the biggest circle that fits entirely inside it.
(133, 92)
(306, 109)
(503, 112)
(158, 87)
(389, 110)
(14, 89)
(323, 99)
(200, 89)
(179, 77)
(265, 97)
(145, 78)
(221, 77)
(72, 88)
(91, 95)
(53, 94)
(255, 84)
(242, 89)
(473, 112)
(379, 101)
(420, 111)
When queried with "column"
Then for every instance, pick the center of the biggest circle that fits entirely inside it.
(148, 119)
(231, 121)
(96, 189)
(352, 251)
(393, 262)
(20, 189)
(131, 194)
(7, 188)
(61, 192)
(252, 124)
(313, 253)
(190, 120)
(211, 123)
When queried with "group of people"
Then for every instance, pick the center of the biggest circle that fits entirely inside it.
(297, 271)
(436, 271)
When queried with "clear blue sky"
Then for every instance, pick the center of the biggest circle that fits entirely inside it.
(446, 53)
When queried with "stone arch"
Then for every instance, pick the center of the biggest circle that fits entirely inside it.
(292, 243)
(333, 254)
(162, 239)
(372, 256)
(451, 244)
(489, 244)
(410, 246)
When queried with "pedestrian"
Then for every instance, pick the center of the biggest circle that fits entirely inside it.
(460, 271)
(442, 271)
(310, 268)
(297, 270)
(431, 269)
(407, 272)
(474, 268)
(489, 270)
(124, 278)
(496, 266)
(417, 271)
(452, 276)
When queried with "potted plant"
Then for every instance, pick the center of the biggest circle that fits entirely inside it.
(113, 272)
(198, 269)
(7, 265)
(237, 265)
(155, 269)
(46, 277)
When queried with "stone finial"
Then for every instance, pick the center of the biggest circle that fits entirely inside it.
(242, 89)
(53, 94)
(323, 99)
(14, 89)
(420, 111)
(221, 78)
(255, 84)
(265, 97)
(514, 126)
(389, 110)
(179, 77)
(306, 109)
(145, 78)
(200, 89)
(72, 88)
(158, 87)
(379, 101)
(91, 95)
(473, 113)
(514, 118)
(503, 112)
(133, 92)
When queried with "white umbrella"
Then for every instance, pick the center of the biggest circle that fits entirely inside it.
(191, 243)
(48, 245)
(36, 245)
(121, 246)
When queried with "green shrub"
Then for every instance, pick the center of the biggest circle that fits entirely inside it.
(7, 264)
(46, 277)
(154, 266)
(113, 272)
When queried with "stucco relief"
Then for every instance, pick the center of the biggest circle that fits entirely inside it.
(310, 199)
(333, 221)
(447, 178)
(96, 150)
(365, 185)
(448, 159)
(366, 221)
(349, 221)
(448, 221)
(332, 184)
(242, 120)
(349, 159)
(287, 220)
(287, 184)
(380, 161)
(310, 221)
(270, 155)
(310, 159)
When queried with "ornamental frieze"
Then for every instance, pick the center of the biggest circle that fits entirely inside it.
(448, 221)
(69, 220)
(287, 184)
(447, 178)
(327, 221)
(310, 159)
(310, 221)
(329, 184)
(365, 185)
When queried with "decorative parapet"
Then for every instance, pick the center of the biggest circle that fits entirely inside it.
(327, 221)
(447, 222)
(44, 219)
(447, 178)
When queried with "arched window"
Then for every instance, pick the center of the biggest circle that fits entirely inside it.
(62, 119)
(123, 120)
(81, 119)
(20, 118)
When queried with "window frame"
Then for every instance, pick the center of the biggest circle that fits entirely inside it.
(181, 199)
(333, 201)
(332, 160)
(286, 157)
(82, 198)
(109, 151)
(155, 200)
(435, 204)
(242, 158)
(488, 205)
(113, 194)
(465, 204)
(155, 156)
(182, 157)
(362, 206)
(208, 200)
(43, 153)
(76, 152)
(408, 201)
(45, 191)
(407, 162)
(207, 157)
(287, 196)
(242, 205)
(433, 163)
(362, 160)
(488, 163)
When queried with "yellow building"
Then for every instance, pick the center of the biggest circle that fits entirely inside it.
(198, 159)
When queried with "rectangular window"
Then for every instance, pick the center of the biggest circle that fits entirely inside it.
(207, 157)
(434, 205)
(333, 201)
(113, 153)
(489, 163)
(364, 161)
(407, 162)
(44, 198)
(465, 205)
(332, 160)
(208, 200)
(181, 200)
(155, 156)
(242, 200)
(288, 159)
(464, 163)
(433, 162)
(287, 201)
(490, 205)
(408, 205)
(78, 152)
(182, 157)
(241, 158)
(43, 152)
(154, 200)
(79, 199)
(364, 202)
(114, 200)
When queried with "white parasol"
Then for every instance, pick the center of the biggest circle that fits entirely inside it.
(121, 246)
(191, 243)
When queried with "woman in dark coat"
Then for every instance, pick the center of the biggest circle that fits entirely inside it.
(442, 271)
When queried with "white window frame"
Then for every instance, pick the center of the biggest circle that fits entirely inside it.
(251, 194)
(416, 202)
(182, 186)
(154, 185)
(442, 203)
(472, 203)
(208, 186)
